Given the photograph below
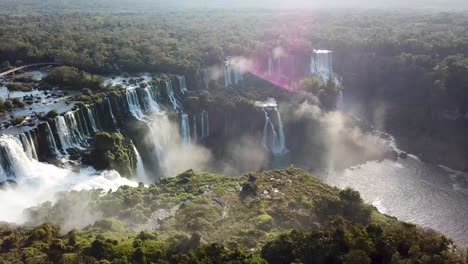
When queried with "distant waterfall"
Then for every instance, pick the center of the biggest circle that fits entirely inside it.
(273, 138)
(205, 125)
(140, 168)
(171, 95)
(182, 84)
(51, 141)
(185, 129)
(321, 64)
(92, 119)
(63, 133)
(270, 65)
(28, 145)
(109, 106)
(150, 100)
(134, 105)
(232, 72)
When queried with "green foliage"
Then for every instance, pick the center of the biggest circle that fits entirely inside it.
(52, 114)
(17, 120)
(112, 152)
(8, 105)
(71, 78)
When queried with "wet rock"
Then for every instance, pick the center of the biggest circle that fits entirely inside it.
(391, 155)
(249, 189)
(403, 155)
(252, 178)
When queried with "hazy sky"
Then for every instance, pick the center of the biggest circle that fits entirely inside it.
(325, 3)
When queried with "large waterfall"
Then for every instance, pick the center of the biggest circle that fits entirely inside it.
(185, 129)
(39, 182)
(205, 78)
(321, 64)
(28, 144)
(273, 138)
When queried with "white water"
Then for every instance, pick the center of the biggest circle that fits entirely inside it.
(170, 94)
(114, 121)
(141, 174)
(185, 129)
(205, 78)
(91, 119)
(183, 84)
(134, 105)
(39, 182)
(28, 145)
(272, 139)
(50, 140)
(63, 132)
(270, 65)
(321, 64)
(232, 72)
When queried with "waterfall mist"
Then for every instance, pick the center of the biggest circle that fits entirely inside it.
(38, 182)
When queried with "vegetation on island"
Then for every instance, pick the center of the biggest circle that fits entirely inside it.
(111, 151)
(281, 216)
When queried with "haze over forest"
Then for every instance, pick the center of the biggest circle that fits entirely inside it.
(154, 5)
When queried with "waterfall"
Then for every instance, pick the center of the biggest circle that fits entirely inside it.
(195, 132)
(114, 121)
(134, 105)
(205, 125)
(185, 129)
(63, 133)
(205, 78)
(140, 168)
(51, 141)
(273, 138)
(39, 182)
(232, 72)
(150, 101)
(282, 141)
(91, 119)
(321, 64)
(182, 84)
(270, 65)
(171, 96)
(31, 143)
(28, 145)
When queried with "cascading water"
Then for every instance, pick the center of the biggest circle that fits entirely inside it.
(205, 125)
(232, 72)
(150, 100)
(140, 168)
(171, 95)
(28, 145)
(185, 129)
(182, 84)
(321, 64)
(273, 140)
(51, 141)
(63, 133)
(91, 119)
(114, 121)
(39, 182)
(134, 105)
(270, 66)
